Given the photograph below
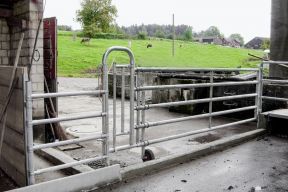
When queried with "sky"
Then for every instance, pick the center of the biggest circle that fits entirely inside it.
(250, 18)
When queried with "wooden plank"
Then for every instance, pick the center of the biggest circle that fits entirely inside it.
(15, 158)
(5, 76)
(15, 111)
(10, 136)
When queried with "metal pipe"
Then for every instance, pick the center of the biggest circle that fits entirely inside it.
(267, 81)
(178, 86)
(155, 69)
(275, 62)
(211, 96)
(122, 66)
(105, 128)
(29, 129)
(114, 105)
(165, 122)
(189, 102)
(154, 141)
(122, 100)
(275, 98)
(60, 119)
(121, 134)
(68, 142)
(67, 165)
(132, 103)
(143, 121)
(137, 105)
(150, 142)
(67, 94)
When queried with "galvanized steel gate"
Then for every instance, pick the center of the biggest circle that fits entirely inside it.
(138, 104)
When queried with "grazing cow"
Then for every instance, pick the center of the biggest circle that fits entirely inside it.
(149, 45)
(85, 40)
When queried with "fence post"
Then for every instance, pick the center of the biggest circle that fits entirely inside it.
(259, 90)
(211, 96)
(29, 129)
(132, 102)
(105, 109)
(114, 105)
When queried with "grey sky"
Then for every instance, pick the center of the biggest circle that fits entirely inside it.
(248, 17)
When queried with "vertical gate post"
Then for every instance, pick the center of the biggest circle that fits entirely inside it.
(105, 109)
(114, 104)
(29, 129)
(211, 96)
(259, 91)
(132, 102)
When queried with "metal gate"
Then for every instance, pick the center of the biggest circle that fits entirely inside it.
(138, 107)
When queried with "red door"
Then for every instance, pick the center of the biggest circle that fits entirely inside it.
(50, 56)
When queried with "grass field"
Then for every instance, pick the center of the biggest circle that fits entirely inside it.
(79, 60)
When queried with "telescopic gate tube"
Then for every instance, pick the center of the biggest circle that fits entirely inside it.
(155, 69)
(67, 94)
(189, 102)
(68, 142)
(60, 119)
(165, 122)
(154, 141)
(275, 98)
(182, 86)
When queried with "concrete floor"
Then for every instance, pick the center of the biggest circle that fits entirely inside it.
(259, 164)
(88, 127)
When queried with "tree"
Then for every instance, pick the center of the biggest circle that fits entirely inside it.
(265, 44)
(64, 28)
(237, 37)
(96, 16)
(188, 34)
(212, 31)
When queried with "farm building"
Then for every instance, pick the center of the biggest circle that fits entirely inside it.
(256, 42)
(219, 41)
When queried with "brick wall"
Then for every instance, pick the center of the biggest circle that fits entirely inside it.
(4, 43)
(31, 12)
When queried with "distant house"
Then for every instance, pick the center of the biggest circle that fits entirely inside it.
(219, 41)
(208, 40)
(256, 43)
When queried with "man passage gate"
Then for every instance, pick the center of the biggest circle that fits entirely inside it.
(138, 107)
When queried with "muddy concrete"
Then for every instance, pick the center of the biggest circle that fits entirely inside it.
(257, 165)
(88, 127)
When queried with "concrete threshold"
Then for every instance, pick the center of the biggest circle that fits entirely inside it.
(99, 179)
(150, 167)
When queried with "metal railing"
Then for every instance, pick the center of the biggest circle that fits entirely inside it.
(142, 107)
(137, 94)
(265, 81)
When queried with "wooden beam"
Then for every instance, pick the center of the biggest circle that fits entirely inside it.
(5, 12)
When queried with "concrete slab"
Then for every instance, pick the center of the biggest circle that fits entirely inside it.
(78, 182)
(57, 157)
(280, 113)
(259, 164)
